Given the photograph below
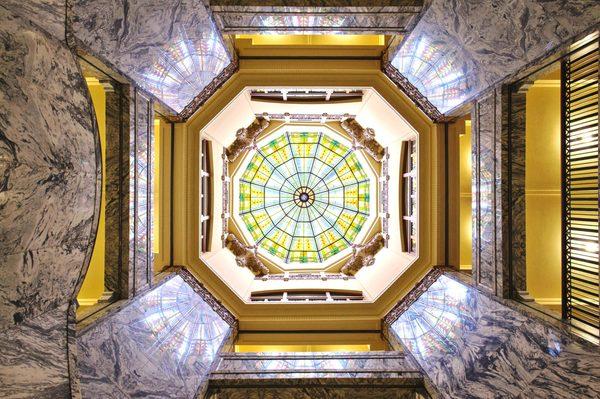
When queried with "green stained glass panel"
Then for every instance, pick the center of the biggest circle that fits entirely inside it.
(304, 197)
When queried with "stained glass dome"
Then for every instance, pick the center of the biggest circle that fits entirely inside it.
(304, 197)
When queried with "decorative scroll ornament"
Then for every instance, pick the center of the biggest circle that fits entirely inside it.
(365, 256)
(245, 137)
(306, 276)
(323, 118)
(365, 138)
(245, 256)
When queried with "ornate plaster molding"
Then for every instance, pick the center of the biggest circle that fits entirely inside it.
(245, 256)
(245, 138)
(364, 138)
(306, 276)
(384, 197)
(324, 117)
(364, 256)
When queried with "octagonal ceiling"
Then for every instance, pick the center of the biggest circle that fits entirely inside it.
(304, 196)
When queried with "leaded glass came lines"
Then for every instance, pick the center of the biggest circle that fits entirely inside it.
(304, 197)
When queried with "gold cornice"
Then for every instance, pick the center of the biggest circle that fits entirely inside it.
(272, 316)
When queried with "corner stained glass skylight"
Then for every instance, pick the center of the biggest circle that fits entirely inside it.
(184, 67)
(304, 196)
(438, 71)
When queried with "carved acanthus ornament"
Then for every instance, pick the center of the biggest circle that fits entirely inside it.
(245, 256)
(364, 255)
(364, 138)
(245, 138)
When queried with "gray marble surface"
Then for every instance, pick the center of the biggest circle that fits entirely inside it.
(382, 374)
(170, 48)
(490, 197)
(333, 17)
(49, 15)
(324, 389)
(310, 375)
(472, 346)
(49, 191)
(460, 48)
(140, 187)
(33, 357)
(316, 364)
(49, 172)
(161, 345)
(116, 183)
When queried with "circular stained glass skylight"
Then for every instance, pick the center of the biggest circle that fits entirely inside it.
(304, 197)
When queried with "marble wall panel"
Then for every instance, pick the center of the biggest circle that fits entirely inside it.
(116, 276)
(33, 357)
(50, 166)
(472, 345)
(315, 375)
(171, 49)
(315, 364)
(459, 48)
(516, 163)
(333, 17)
(49, 15)
(492, 159)
(160, 345)
(327, 390)
(341, 375)
(483, 189)
(49, 196)
(140, 189)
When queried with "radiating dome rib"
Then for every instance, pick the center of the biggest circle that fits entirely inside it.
(304, 197)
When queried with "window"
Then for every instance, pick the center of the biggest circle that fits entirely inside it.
(408, 195)
(306, 296)
(205, 195)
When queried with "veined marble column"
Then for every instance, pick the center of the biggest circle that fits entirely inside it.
(141, 110)
(490, 192)
(517, 187)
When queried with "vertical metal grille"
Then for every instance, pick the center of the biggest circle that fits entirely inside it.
(580, 187)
